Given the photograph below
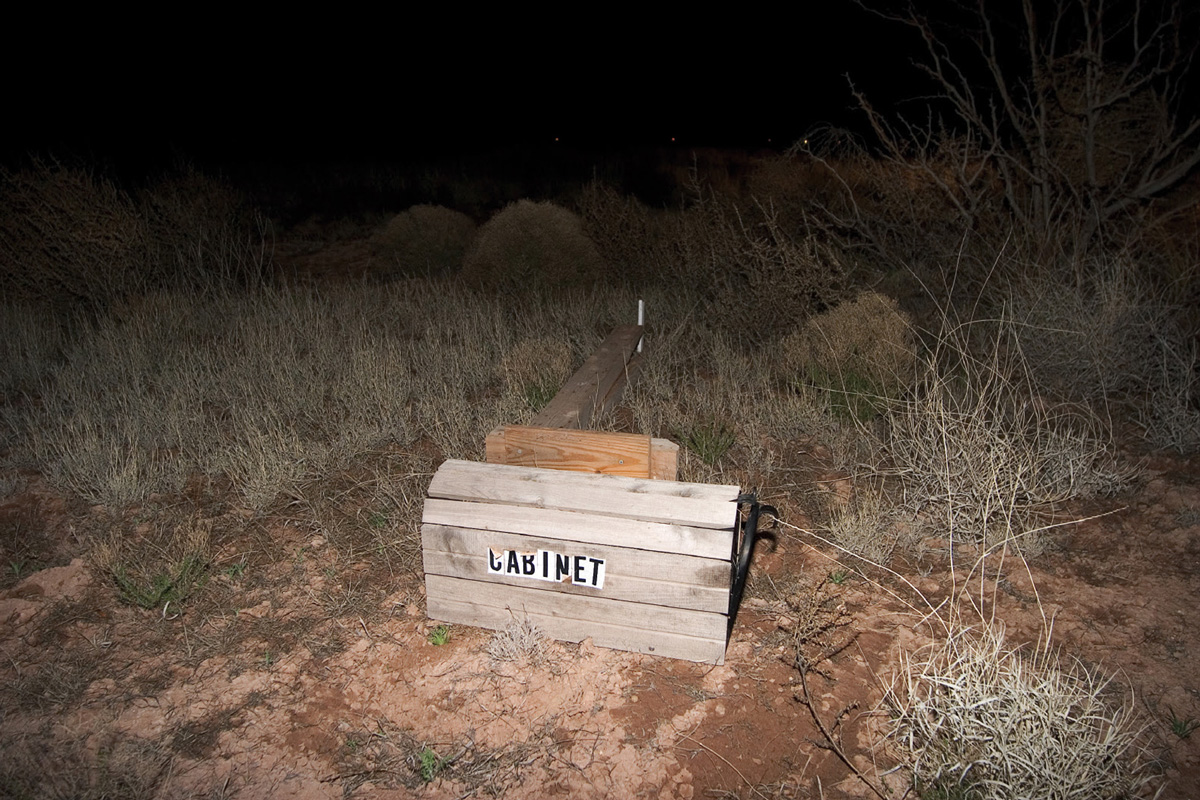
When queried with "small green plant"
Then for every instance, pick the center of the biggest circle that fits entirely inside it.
(16, 567)
(431, 764)
(853, 397)
(539, 394)
(439, 635)
(1183, 727)
(377, 519)
(269, 659)
(838, 577)
(163, 588)
(709, 440)
(235, 571)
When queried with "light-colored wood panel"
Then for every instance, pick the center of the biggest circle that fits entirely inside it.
(691, 504)
(595, 610)
(463, 554)
(664, 460)
(574, 450)
(573, 525)
(657, 643)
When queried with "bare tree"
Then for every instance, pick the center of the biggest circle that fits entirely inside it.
(1071, 113)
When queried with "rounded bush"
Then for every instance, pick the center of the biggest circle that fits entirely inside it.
(532, 245)
(425, 240)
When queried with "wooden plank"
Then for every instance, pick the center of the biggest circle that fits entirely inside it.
(664, 579)
(658, 643)
(638, 619)
(691, 504)
(549, 523)
(594, 384)
(664, 460)
(605, 453)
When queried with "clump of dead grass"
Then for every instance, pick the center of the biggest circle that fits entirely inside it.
(979, 454)
(425, 240)
(521, 641)
(534, 369)
(530, 245)
(974, 717)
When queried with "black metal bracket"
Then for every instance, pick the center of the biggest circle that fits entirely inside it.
(745, 535)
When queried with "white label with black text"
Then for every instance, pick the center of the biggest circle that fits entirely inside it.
(546, 565)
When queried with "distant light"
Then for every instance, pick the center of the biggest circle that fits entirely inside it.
(672, 138)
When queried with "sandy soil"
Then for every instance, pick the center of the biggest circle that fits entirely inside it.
(271, 688)
(305, 667)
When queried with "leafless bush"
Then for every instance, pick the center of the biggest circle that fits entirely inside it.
(1070, 116)
(425, 240)
(530, 245)
(980, 455)
(974, 717)
(203, 233)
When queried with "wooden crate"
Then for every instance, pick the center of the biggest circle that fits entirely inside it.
(635, 564)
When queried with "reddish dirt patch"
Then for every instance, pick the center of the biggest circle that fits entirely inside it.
(266, 694)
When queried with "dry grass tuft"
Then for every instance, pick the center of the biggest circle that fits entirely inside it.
(520, 642)
(425, 240)
(530, 245)
(977, 718)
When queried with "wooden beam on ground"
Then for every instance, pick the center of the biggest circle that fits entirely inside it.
(597, 385)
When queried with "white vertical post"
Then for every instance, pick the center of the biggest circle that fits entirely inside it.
(641, 321)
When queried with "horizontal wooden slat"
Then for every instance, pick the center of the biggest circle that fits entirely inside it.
(690, 635)
(635, 616)
(578, 451)
(590, 528)
(692, 504)
(663, 579)
(666, 645)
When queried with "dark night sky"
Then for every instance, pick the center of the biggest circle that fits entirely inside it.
(377, 89)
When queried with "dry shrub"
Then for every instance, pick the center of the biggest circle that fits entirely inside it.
(530, 245)
(1112, 341)
(866, 526)
(977, 718)
(980, 455)
(425, 240)
(521, 641)
(69, 236)
(863, 349)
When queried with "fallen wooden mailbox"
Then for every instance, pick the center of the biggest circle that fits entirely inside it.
(588, 534)
(634, 563)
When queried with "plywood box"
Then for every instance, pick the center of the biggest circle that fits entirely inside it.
(635, 564)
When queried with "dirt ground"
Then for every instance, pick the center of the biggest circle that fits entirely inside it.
(305, 666)
(312, 672)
